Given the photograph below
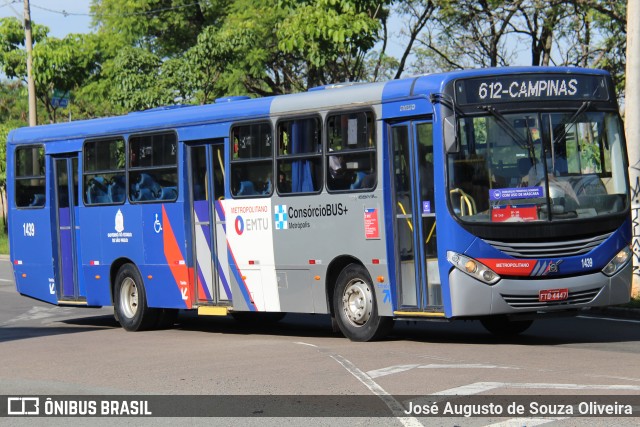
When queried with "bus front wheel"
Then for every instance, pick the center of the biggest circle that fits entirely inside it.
(504, 327)
(355, 308)
(131, 301)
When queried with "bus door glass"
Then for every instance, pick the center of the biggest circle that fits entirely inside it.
(206, 188)
(414, 206)
(66, 201)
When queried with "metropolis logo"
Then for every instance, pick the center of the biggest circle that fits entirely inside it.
(554, 266)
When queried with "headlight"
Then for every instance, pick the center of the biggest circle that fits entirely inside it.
(618, 261)
(473, 268)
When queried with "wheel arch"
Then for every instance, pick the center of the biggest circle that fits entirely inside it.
(334, 269)
(113, 272)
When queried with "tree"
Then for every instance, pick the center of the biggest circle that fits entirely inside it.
(330, 37)
(13, 102)
(470, 33)
(416, 14)
(62, 64)
(540, 22)
(166, 28)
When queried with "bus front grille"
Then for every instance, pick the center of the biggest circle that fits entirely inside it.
(532, 301)
(549, 249)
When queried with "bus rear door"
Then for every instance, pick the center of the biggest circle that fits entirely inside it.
(66, 208)
(415, 222)
(206, 184)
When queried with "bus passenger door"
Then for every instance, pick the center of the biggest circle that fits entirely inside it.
(66, 206)
(415, 224)
(206, 183)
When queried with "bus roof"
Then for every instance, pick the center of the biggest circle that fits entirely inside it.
(318, 99)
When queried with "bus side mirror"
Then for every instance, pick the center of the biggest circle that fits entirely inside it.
(450, 133)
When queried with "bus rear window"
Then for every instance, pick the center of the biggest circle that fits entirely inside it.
(30, 177)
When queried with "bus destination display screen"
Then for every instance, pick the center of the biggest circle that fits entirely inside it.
(523, 87)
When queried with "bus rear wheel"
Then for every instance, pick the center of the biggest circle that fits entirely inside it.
(502, 326)
(355, 308)
(130, 301)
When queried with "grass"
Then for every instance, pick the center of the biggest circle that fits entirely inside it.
(4, 243)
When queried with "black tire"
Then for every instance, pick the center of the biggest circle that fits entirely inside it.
(502, 326)
(355, 308)
(130, 301)
(257, 317)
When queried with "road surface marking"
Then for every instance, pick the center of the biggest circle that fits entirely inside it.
(389, 370)
(481, 387)
(396, 407)
(528, 422)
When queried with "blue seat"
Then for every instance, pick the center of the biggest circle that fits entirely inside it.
(246, 189)
(97, 192)
(145, 188)
(169, 193)
(359, 177)
(116, 189)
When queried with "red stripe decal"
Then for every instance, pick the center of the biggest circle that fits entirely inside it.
(172, 252)
(510, 267)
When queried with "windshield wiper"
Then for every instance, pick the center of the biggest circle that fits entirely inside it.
(563, 126)
(504, 124)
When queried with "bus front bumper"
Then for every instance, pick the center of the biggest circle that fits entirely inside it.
(470, 297)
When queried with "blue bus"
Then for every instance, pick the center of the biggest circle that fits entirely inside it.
(499, 195)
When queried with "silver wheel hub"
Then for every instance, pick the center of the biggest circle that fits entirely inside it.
(129, 297)
(357, 302)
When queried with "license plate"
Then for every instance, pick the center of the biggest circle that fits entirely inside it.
(553, 295)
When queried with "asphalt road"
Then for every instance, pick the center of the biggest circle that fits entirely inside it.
(48, 350)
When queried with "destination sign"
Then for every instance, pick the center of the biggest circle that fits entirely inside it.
(534, 87)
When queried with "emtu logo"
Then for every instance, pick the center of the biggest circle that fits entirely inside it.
(239, 225)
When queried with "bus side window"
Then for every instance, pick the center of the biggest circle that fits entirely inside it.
(299, 156)
(153, 171)
(251, 162)
(351, 152)
(104, 174)
(30, 177)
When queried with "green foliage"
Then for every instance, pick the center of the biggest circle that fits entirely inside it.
(330, 36)
(62, 64)
(165, 27)
(137, 80)
(4, 242)
(5, 128)
(13, 101)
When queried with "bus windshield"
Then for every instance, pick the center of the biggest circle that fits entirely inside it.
(538, 166)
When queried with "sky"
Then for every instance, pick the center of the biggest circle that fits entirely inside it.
(61, 16)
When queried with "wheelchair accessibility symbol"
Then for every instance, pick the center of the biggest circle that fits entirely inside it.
(157, 227)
